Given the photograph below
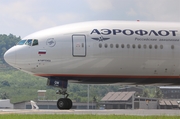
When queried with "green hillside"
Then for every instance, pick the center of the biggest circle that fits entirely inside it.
(20, 86)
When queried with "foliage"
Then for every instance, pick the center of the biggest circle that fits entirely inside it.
(158, 93)
(20, 86)
(146, 93)
(6, 42)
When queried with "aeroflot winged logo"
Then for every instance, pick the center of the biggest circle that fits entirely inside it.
(101, 38)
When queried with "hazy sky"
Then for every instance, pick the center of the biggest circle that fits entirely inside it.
(23, 17)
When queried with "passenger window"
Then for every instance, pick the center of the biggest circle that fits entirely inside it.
(161, 46)
(139, 46)
(128, 46)
(150, 46)
(117, 45)
(21, 42)
(145, 46)
(111, 45)
(122, 45)
(105, 45)
(29, 42)
(134, 46)
(100, 45)
(35, 42)
(156, 47)
(172, 46)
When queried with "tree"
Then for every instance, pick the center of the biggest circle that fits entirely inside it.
(158, 93)
(145, 93)
(4, 96)
(6, 42)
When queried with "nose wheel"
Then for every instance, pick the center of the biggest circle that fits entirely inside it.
(64, 104)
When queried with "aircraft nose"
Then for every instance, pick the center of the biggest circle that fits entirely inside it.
(9, 57)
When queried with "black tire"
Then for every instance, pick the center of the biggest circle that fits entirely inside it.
(69, 103)
(62, 103)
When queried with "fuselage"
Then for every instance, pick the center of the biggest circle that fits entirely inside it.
(102, 52)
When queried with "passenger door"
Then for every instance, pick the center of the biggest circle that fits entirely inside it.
(79, 45)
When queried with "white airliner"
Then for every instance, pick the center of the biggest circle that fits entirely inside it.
(101, 52)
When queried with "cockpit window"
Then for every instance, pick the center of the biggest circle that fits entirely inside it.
(21, 42)
(28, 42)
(35, 42)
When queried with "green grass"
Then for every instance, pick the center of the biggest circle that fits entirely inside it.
(24, 116)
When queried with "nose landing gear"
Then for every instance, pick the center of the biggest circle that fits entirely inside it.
(63, 103)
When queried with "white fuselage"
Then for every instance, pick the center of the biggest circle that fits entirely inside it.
(103, 51)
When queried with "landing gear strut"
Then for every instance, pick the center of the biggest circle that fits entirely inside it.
(64, 103)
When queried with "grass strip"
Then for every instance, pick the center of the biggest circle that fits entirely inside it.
(58, 116)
